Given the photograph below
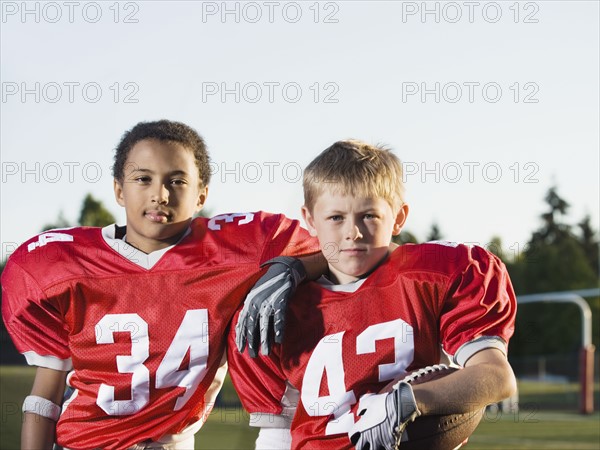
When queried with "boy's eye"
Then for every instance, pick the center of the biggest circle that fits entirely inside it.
(178, 182)
(336, 218)
(142, 179)
(370, 216)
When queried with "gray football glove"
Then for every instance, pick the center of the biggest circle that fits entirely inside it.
(383, 418)
(268, 299)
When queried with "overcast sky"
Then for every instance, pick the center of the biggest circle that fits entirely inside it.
(488, 104)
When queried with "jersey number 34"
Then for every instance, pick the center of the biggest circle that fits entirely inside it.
(192, 335)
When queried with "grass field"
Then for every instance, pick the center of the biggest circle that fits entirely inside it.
(533, 427)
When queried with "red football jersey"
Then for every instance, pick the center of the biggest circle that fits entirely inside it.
(144, 334)
(423, 301)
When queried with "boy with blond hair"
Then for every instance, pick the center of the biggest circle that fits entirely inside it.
(380, 313)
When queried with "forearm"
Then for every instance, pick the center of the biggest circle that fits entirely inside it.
(37, 432)
(487, 378)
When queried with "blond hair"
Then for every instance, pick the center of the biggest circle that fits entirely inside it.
(355, 168)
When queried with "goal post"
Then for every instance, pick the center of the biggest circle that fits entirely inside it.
(586, 378)
(586, 352)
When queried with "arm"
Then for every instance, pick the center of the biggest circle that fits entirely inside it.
(264, 393)
(487, 378)
(314, 265)
(266, 304)
(39, 432)
(477, 321)
(262, 302)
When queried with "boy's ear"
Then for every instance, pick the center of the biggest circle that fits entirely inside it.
(400, 220)
(201, 198)
(118, 188)
(308, 219)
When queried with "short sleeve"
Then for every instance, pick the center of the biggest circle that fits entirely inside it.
(261, 386)
(35, 325)
(286, 237)
(479, 307)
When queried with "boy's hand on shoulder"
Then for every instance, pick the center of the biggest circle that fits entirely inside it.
(266, 304)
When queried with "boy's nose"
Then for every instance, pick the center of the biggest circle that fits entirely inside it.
(161, 196)
(353, 232)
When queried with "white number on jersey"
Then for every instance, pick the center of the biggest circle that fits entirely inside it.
(45, 238)
(228, 218)
(192, 335)
(327, 360)
(403, 346)
(134, 363)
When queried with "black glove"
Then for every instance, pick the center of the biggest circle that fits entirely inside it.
(268, 298)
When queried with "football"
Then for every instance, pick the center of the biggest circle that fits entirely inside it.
(438, 432)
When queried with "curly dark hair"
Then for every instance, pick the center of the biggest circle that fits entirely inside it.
(166, 131)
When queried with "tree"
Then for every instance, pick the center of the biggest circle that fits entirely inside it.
(553, 230)
(554, 259)
(204, 212)
(495, 247)
(60, 222)
(405, 237)
(435, 233)
(589, 243)
(94, 214)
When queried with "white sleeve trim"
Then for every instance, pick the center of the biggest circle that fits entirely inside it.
(185, 436)
(50, 362)
(289, 403)
(268, 420)
(468, 349)
(274, 439)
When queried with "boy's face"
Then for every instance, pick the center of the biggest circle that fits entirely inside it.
(160, 193)
(354, 233)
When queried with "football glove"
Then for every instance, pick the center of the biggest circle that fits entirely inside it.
(268, 300)
(383, 418)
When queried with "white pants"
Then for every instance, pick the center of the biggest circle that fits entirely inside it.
(187, 444)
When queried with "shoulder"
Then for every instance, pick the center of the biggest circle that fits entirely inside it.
(253, 237)
(45, 256)
(53, 241)
(441, 256)
(241, 219)
(259, 224)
